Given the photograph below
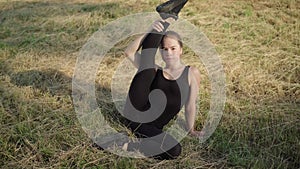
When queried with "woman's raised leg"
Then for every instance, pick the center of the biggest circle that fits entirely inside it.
(140, 86)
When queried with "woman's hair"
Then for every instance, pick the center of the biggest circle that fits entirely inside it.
(173, 35)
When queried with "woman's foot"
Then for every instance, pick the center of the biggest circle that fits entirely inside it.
(125, 147)
(110, 140)
(170, 8)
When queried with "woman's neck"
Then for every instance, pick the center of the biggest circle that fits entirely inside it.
(175, 66)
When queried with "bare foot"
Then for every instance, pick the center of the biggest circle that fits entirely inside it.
(125, 147)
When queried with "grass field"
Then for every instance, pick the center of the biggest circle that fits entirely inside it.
(258, 42)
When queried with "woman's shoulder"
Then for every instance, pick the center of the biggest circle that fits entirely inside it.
(194, 73)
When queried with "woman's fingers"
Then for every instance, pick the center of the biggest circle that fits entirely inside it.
(197, 133)
(158, 26)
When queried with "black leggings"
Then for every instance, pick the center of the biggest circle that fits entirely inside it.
(155, 142)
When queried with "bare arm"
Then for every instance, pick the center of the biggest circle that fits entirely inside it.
(131, 51)
(190, 107)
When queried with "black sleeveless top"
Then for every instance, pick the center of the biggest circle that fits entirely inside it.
(177, 93)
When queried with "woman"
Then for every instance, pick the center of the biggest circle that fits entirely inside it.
(179, 83)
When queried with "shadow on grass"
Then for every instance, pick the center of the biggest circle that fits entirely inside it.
(58, 84)
(53, 26)
(26, 11)
(50, 80)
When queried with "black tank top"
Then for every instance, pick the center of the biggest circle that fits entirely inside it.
(176, 91)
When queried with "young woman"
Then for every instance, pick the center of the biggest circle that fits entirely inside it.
(179, 83)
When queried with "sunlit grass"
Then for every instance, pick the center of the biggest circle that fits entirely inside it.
(258, 42)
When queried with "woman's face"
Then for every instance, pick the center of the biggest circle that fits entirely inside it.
(171, 50)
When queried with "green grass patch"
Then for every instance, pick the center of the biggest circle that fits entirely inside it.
(258, 43)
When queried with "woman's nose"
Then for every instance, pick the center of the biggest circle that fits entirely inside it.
(168, 51)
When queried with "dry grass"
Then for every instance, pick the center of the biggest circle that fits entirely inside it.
(258, 42)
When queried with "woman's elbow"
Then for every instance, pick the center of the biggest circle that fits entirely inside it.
(127, 53)
(188, 109)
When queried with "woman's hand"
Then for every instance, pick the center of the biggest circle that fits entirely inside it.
(197, 133)
(158, 26)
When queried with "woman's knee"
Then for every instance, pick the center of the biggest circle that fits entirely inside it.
(175, 151)
(171, 154)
